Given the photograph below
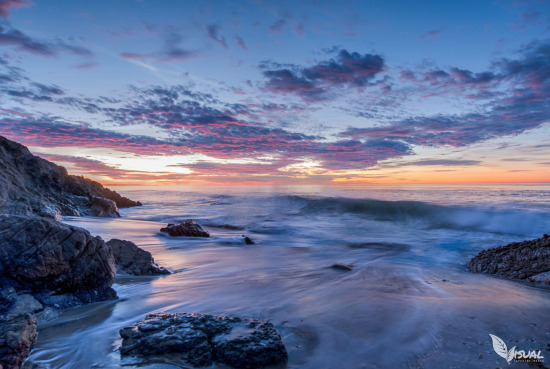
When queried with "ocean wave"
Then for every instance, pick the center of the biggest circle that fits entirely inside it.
(426, 214)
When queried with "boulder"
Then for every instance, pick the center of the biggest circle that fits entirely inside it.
(131, 259)
(34, 186)
(102, 207)
(17, 335)
(528, 260)
(202, 339)
(187, 228)
(48, 258)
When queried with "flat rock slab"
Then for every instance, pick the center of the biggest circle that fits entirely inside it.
(187, 228)
(519, 260)
(202, 339)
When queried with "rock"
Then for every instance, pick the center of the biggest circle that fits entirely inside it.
(343, 267)
(202, 339)
(187, 228)
(542, 277)
(131, 259)
(17, 335)
(248, 241)
(22, 304)
(34, 186)
(102, 207)
(528, 260)
(40, 255)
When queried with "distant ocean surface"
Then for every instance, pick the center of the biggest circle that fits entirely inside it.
(408, 302)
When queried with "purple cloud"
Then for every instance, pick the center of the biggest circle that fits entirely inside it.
(10, 36)
(6, 5)
(312, 83)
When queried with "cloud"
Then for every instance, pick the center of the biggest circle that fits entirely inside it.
(10, 36)
(442, 162)
(431, 34)
(277, 27)
(213, 33)
(241, 43)
(171, 50)
(522, 103)
(46, 132)
(312, 83)
(89, 65)
(6, 5)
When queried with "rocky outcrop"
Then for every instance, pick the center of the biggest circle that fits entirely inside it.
(187, 228)
(528, 260)
(45, 266)
(31, 185)
(49, 259)
(202, 339)
(17, 335)
(131, 259)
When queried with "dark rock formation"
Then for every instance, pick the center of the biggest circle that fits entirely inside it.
(133, 260)
(32, 185)
(51, 259)
(248, 241)
(343, 267)
(202, 339)
(17, 335)
(187, 228)
(519, 260)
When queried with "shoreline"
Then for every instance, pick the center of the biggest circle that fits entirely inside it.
(458, 284)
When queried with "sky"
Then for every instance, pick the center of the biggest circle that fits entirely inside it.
(143, 92)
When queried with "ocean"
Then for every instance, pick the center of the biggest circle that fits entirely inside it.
(407, 302)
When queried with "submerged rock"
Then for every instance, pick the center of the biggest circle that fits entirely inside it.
(202, 339)
(248, 240)
(34, 186)
(17, 336)
(48, 258)
(343, 267)
(187, 228)
(528, 260)
(131, 259)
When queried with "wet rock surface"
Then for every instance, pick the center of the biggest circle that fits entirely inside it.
(17, 335)
(131, 259)
(201, 339)
(527, 260)
(187, 228)
(46, 257)
(34, 186)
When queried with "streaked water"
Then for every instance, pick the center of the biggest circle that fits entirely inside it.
(408, 302)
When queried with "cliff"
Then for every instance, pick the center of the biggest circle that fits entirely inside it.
(34, 186)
